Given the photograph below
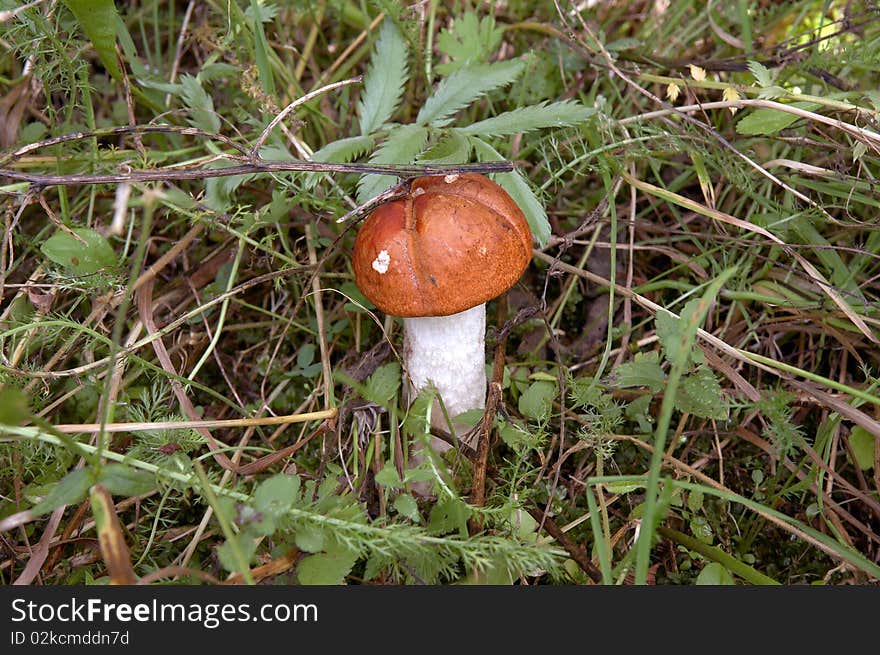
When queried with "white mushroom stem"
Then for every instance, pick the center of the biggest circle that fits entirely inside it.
(448, 352)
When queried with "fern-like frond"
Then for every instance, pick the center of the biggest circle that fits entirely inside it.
(534, 117)
(384, 79)
(465, 86)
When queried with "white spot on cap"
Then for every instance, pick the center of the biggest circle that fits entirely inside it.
(418, 192)
(380, 264)
(449, 179)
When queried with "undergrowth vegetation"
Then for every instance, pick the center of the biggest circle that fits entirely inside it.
(689, 391)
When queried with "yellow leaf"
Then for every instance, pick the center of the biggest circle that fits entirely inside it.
(699, 74)
(731, 95)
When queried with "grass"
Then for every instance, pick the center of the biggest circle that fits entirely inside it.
(193, 389)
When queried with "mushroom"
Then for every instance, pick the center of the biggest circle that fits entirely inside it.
(434, 258)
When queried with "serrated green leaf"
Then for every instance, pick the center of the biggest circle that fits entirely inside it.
(533, 117)
(453, 148)
(700, 395)
(406, 505)
(98, 20)
(714, 574)
(643, 371)
(402, 146)
(388, 477)
(309, 539)
(537, 401)
(521, 192)
(122, 480)
(326, 568)
(769, 121)
(448, 516)
(219, 190)
(469, 41)
(638, 410)
(760, 72)
(84, 252)
(337, 152)
(670, 330)
(14, 406)
(277, 494)
(201, 105)
(465, 86)
(384, 80)
(69, 490)
(383, 384)
(863, 444)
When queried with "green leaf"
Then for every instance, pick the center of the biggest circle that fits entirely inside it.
(714, 574)
(226, 553)
(453, 148)
(219, 190)
(695, 501)
(701, 529)
(760, 72)
(388, 477)
(449, 515)
(403, 144)
(122, 480)
(528, 119)
(469, 41)
(71, 489)
(84, 252)
(537, 401)
(98, 20)
(384, 80)
(465, 86)
(337, 152)
(623, 487)
(627, 43)
(14, 406)
(383, 384)
(406, 505)
(277, 494)
(863, 444)
(202, 114)
(521, 192)
(700, 395)
(326, 568)
(671, 329)
(769, 121)
(309, 539)
(643, 371)
(261, 47)
(638, 410)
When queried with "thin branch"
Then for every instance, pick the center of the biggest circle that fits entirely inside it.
(256, 167)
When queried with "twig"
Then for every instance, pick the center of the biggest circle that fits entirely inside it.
(260, 166)
(293, 105)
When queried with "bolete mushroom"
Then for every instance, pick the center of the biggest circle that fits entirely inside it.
(434, 258)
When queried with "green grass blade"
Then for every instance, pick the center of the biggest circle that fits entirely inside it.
(687, 338)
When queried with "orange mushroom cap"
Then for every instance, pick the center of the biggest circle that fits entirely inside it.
(452, 243)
